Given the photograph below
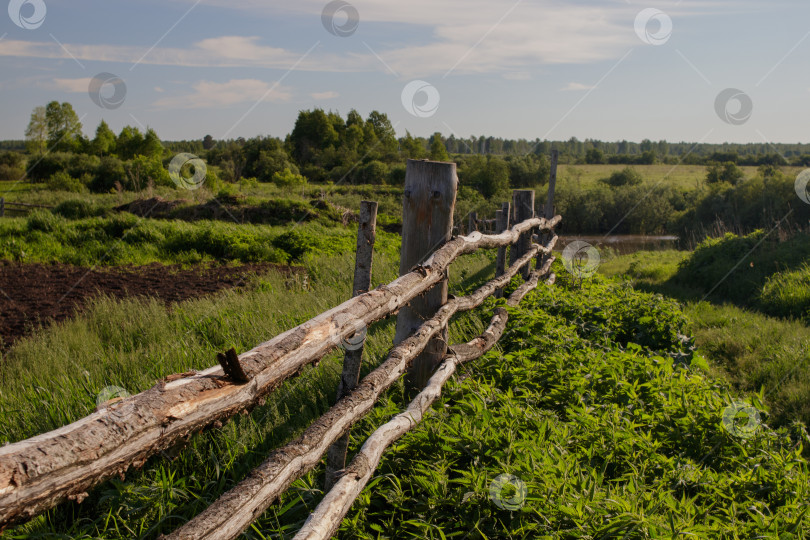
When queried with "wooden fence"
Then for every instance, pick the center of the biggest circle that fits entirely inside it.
(38, 473)
(17, 207)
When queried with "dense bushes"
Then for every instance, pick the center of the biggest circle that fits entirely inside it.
(756, 271)
(591, 404)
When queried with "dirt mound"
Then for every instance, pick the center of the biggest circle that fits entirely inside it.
(154, 207)
(36, 294)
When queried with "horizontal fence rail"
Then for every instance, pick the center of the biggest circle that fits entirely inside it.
(40, 472)
(243, 504)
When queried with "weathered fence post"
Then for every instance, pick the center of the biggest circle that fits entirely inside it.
(523, 201)
(472, 226)
(549, 210)
(2, 206)
(427, 223)
(353, 358)
(501, 224)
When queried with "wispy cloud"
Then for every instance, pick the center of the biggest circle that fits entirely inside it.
(208, 94)
(575, 87)
(71, 85)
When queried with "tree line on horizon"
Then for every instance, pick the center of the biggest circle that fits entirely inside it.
(324, 147)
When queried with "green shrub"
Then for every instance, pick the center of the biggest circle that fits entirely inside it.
(625, 177)
(787, 294)
(287, 178)
(109, 172)
(724, 172)
(78, 209)
(62, 181)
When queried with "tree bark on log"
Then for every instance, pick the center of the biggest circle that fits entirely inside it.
(235, 510)
(38, 473)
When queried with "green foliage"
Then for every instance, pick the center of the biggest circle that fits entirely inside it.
(438, 152)
(62, 181)
(626, 177)
(488, 175)
(727, 172)
(43, 221)
(287, 178)
(736, 268)
(594, 156)
(63, 126)
(757, 353)
(127, 239)
(593, 405)
(143, 171)
(79, 209)
(787, 294)
(374, 172)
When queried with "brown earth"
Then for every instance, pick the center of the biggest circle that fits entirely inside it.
(32, 295)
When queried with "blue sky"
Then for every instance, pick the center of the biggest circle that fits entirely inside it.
(530, 68)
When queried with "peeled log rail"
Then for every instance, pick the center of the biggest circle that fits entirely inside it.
(38, 473)
(235, 510)
(326, 518)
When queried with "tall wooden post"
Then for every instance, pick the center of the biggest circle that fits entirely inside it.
(472, 226)
(427, 223)
(549, 210)
(2, 206)
(523, 201)
(353, 358)
(501, 224)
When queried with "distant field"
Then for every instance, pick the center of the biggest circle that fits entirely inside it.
(681, 176)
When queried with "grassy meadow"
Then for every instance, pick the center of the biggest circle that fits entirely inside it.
(605, 404)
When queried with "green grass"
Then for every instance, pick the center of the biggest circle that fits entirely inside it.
(687, 177)
(592, 404)
(593, 398)
(758, 353)
(54, 377)
(127, 239)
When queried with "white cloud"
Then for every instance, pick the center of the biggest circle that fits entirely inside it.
(575, 87)
(464, 37)
(71, 85)
(324, 95)
(209, 95)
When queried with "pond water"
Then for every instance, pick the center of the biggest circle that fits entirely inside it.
(622, 244)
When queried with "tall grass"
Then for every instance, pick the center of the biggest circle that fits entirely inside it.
(55, 377)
